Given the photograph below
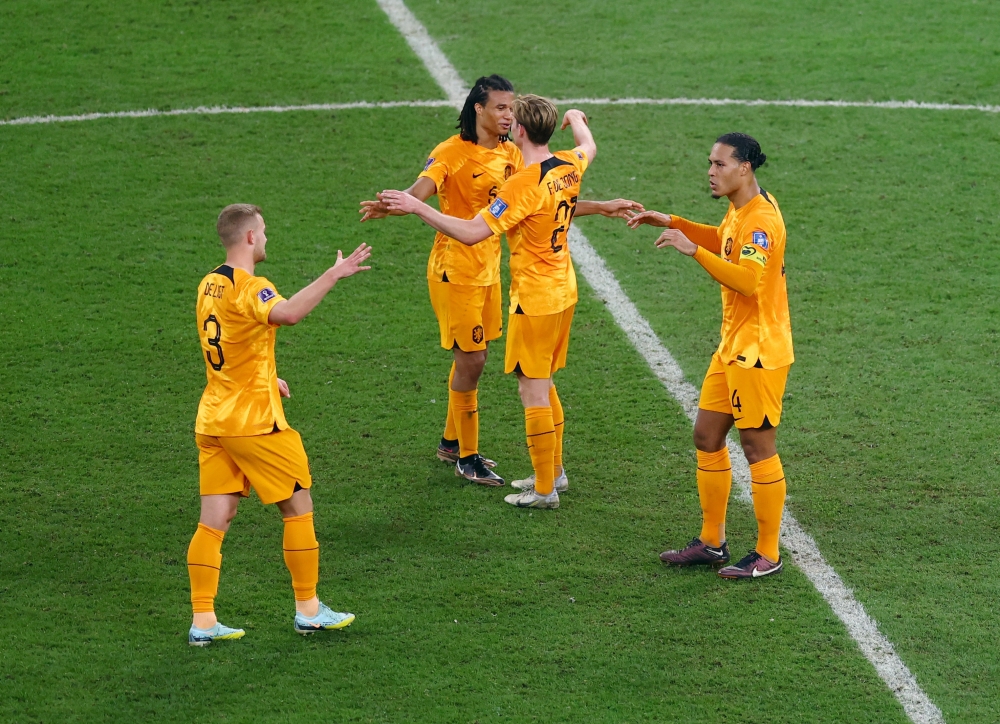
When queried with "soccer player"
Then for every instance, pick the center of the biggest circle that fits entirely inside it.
(466, 172)
(746, 378)
(243, 439)
(535, 208)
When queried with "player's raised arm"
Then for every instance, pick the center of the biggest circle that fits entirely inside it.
(294, 309)
(468, 231)
(423, 188)
(582, 136)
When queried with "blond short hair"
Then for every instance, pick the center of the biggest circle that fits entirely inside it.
(538, 116)
(234, 220)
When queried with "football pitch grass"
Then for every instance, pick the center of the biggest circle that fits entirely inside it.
(467, 609)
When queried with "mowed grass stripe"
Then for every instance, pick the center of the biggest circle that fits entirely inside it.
(99, 473)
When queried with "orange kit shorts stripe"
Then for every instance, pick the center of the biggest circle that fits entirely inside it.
(271, 464)
(468, 316)
(749, 395)
(538, 345)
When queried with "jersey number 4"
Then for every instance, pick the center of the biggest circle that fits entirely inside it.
(214, 342)
(564, 217)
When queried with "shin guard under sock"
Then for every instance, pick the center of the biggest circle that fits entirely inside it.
(204, 560)
(541, 434)
(715, 478)
(463, 408)
(450, 429)
(302, 555)
(558, 420)
(767, 483)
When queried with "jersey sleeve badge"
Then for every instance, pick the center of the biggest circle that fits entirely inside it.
(750, 252)
(429, 162)
(497, 208)
(760, 239)
(266, 294)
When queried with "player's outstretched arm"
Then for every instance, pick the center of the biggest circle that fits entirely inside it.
(294, 309)
(614, 209)
(423, 188)
(703, 235)
(651, 218)
(468, 231)
(584, 139)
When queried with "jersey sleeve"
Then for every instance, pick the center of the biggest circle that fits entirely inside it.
(515, 201)
(703, 235)
(258, 299)
(580, 159)
(756, 245)
(442, 163)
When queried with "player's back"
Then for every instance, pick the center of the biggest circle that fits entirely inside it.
(237, 342)
(539, 203)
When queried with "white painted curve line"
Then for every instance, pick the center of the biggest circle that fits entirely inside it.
(876, 648)
(909, 105)
(427, 50)
(805, 553)
(215, 110)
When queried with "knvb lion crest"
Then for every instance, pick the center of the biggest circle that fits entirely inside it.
(729, 246)
(477, 334)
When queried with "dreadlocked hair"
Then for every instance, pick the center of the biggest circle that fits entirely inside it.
(745, 149)
(480, 94)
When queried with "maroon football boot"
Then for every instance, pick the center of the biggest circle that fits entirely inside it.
(696, 552)
(752, 565)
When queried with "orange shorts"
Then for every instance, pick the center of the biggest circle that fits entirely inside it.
(468, 316)
(271, 464)
(751, 396)
(538, 345)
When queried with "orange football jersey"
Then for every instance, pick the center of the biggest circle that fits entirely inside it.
(468, 176)
(241, 397)
(756, 327)
(535, 207)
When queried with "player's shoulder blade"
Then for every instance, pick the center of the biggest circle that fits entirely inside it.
(217, 282)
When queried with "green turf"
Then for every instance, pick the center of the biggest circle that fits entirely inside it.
(62, 58)
(856, 50)
(99, 494)
(107, 228)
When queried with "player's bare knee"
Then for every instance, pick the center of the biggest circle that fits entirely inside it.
(708, 440)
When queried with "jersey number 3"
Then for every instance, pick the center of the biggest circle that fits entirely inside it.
(214, 342)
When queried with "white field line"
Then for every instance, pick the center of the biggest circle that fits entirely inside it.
(804, 551)
(876, 648)
(456, 102)
(215, 110)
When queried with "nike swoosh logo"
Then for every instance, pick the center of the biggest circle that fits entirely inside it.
(477, 175)
(757, 574)
(717, 554)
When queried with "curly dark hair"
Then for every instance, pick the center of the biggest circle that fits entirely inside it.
(480, 94)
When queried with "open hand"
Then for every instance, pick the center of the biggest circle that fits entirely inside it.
(399, 201)
(352, 265)
(371, 210)
(621, 209)
(653, 218)
(676, 239)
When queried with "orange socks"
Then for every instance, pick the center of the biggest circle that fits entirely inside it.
(767, 482)
(715, 478)
(450, 430)
(302, 555)
(558, 419)
(541, 434)
(463, 410)
(204, 561)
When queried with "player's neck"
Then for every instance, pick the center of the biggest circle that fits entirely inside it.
(535, 154)
(745, 194)
(240, 261)
(486, 140)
